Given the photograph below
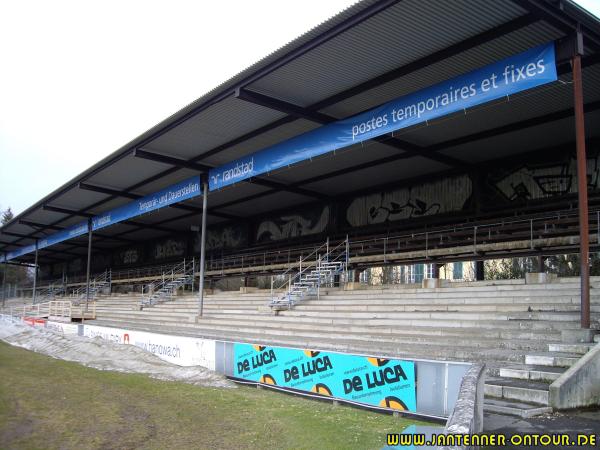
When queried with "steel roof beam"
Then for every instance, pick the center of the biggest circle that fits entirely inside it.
(323, 119)
(545, 11)
(108, 191)
(39, 225)
(67, 211)
(511, 127)
(173, 161)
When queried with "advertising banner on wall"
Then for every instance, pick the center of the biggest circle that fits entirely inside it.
(180, 350)
(386, 383)
(20, 252)
(63, 235)
(62, 327)
(517, 73)
(184, 190)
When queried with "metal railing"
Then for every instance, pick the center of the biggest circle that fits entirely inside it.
(313, 271)
(95, 286)
(164, 289)
(35, 310)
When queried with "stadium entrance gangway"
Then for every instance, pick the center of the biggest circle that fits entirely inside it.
(317, 269)
(163, 290)
(95, 287)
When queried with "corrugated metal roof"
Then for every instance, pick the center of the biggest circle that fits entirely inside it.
(403, 33)
(475, 58)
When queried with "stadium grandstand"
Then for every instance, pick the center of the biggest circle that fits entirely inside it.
(348, 193)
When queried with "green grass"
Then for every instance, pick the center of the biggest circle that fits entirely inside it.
(47, 403)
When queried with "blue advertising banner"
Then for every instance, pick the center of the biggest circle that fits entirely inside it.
(181, 191)
(178, 192)
(386, 383)
(517, 73)
(68, 233)
(20, 252)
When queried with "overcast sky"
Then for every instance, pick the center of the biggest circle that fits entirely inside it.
(79, 79)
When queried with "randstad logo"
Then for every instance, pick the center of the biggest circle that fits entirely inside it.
(241, 169)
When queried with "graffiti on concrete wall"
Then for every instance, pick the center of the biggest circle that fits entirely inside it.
(289, 226)
(128, 256)
(228, 236)
(531, 182)
(446, 195)
(169, 248)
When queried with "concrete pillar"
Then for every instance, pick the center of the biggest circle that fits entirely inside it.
(89, 263)
(4, 281)
(35, 273)
(203, 247)
(541, 263)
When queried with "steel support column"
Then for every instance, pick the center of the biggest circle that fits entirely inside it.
(4, 281)
(202, 248)
(35, 272)
(584, 245)
(89, 263)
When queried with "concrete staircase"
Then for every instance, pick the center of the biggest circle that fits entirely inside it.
(513, 327)
(522, 389)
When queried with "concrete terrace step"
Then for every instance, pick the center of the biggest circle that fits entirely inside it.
(400, 306)
(400, 319)
(498, 333)
(387, 329)
(552, 359)
(537, 339)
(532, 372)
(360, 347)
(514, 407)
(370, 344)
(515, 389)
(446, 315)
(580, 349)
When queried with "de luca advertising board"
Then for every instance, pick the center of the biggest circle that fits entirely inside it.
(385, 383)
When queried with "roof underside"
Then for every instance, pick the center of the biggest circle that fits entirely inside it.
(369, 54)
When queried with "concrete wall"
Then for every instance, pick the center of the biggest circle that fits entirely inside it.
(580, 385)
(467, 417)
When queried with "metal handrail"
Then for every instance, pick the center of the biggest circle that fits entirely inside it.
(181, 270)
(302, 270)
(318, 263)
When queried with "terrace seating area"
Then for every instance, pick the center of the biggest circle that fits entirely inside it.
(491, 321)
(515, 328)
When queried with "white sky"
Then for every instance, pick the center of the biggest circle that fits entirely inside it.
(79, 79)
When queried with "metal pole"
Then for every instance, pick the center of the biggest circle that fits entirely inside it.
(203, 246)
(35, 272)
(4, 281)
(582, 193)
(89, 262)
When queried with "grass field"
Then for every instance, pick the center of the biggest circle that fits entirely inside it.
(47, 403)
